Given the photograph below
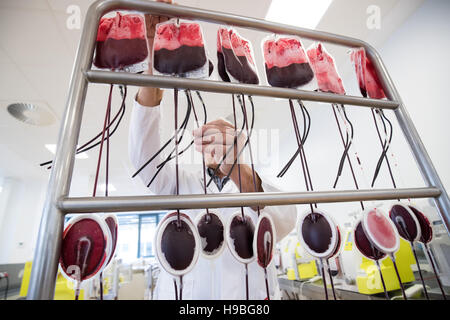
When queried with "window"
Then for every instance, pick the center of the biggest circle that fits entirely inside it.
(147, 234)
(128, 236)
(136, 235)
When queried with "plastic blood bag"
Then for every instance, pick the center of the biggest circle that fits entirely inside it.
(287, 65)
(365, 246)
(381, 231)
(286, 62)
(177, 240)
(120, 42)
(369, 83)
(239, 236)
(382, 234)
(406, 222)
(426, 231)
(320, 236)
(408, 227)
(177, 244)
(426, 235)
(113, 225)
(324, 67)
(368, 250)
(317, 234)
(179, 49)
(211, 232)
(264, 244)
(86, 246)
(264, 240)
(222, 33)
(328, 80)
(235, 57)
(370, 86)
(209, 224)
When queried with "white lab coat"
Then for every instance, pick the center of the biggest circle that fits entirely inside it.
(224, 277)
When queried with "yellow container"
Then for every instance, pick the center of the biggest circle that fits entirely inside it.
(64, 289)
(291, 274)
(307, 270)
(370, 283)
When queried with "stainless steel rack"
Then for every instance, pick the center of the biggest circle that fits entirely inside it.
(57, 203)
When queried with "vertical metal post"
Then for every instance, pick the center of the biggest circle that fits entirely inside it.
(47, 252)
(421, 156)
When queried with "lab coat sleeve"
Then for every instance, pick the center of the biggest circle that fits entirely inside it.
(144, 141)
(284, 217)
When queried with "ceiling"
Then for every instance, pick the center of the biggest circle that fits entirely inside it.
(37, 51)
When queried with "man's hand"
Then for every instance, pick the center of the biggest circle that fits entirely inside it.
(214, 139)
(148, 96)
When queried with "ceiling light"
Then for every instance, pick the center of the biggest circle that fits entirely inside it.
(299, 13)
(52, 149)
(37, 114)
(111, 187)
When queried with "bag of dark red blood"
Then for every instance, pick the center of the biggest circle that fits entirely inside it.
(235, 57)
(121, 43)
(179, 50)
(287, 64)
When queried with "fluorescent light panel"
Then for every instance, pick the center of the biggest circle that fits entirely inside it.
(102, 187)
(52, 149)
(300, 13)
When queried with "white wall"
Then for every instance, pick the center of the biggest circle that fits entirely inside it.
(21, 204)
(416, 56)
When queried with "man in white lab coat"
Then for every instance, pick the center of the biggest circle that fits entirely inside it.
(224, 277)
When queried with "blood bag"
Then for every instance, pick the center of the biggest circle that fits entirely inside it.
(381, 231)
(86, 247)
(324, 67)
(318, 234)
(212, 234)
(179, 50)
(235, 57)
(369, 83)
(239, 235)
(121, 42)
(287, 64)
(405, 221)
(264, 240)
(177, 244)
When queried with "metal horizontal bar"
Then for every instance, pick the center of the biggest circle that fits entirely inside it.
(199, 201)
(110, 77)
(159, 8)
